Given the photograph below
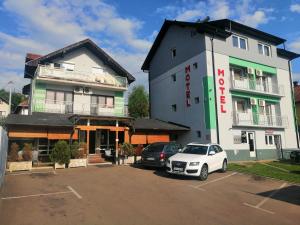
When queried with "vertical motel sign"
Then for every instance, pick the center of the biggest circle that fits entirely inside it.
(187, 86)
(221, 82)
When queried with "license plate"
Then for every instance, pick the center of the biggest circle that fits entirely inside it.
(178, 169)
(150, 158)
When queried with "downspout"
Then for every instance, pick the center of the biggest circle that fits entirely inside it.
(215, 87)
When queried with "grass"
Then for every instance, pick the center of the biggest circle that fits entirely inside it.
(278, 170)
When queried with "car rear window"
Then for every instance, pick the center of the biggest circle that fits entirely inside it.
(156, 147)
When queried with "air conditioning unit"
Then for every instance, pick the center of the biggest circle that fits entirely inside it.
(261, 102)
(250, 70)
(259, 73)
(87, 90)
(252, 101)
(78, 90)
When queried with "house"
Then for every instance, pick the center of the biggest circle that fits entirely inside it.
(22, 108)
(77, 93)
(4, 107)
(229, 83)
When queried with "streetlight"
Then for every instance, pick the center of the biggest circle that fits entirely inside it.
(9, 102)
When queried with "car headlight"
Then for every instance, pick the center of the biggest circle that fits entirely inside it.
(194, 163)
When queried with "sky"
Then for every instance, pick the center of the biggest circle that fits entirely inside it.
(125, 29)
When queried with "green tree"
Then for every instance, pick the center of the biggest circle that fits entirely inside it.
(16, 98)
(138, 102)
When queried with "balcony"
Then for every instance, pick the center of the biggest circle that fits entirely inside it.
(259, 120)
(77, 108)
(251, 86)
(77, 77)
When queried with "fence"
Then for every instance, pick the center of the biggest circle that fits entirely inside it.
(3, 153)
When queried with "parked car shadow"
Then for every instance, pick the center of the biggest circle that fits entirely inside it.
(163, 173)
(288, 194)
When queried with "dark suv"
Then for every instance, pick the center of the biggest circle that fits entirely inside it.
(156, 154)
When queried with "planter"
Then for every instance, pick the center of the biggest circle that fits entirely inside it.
(77, 163)
(127, 160)
(59, 166)
(19, 166)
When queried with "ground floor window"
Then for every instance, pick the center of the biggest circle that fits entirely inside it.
(269, 139)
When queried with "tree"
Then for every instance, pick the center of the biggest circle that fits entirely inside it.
(16, 98)
(138, 102)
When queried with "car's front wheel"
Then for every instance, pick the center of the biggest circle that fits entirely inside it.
(224, 166)
(204, 172)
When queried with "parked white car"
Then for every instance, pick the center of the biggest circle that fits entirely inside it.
(198, 160)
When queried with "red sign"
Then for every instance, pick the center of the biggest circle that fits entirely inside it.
(187, 85)
(221, 82)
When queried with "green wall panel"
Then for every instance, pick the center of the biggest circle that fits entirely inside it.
(209, 102)
(244, 63)
(254, 95)
(39, 97)
(119, 103)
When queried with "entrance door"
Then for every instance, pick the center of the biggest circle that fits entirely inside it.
(251, 140)
(92, 145)
(278, 144)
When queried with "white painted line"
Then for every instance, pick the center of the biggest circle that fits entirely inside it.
(284, 170)
(255, 207)
(37, 195)
(215, 180)
(29, 173)
(75, 192)
(199, 188)
(258, 206)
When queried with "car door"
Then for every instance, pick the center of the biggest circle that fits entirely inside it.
(219, 157)
(211, 159)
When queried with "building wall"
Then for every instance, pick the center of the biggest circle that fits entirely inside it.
(4, 108)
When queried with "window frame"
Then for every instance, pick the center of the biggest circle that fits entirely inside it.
(174, 107)
(239, 42)
(55, 101)
(267, 140)
(263, 49)
(105, 99)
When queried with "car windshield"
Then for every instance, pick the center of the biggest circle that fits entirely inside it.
(195, 149)
(156, 147)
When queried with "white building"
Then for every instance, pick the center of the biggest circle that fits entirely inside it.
(228, 82)
(4, 107)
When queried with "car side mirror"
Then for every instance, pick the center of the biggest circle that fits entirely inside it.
(211, 153)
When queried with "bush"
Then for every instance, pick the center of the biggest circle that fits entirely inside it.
(13, 152)
(27, 152)
(61, 153)
(127, 149)
(77, 152)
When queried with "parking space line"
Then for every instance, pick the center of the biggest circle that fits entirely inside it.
(29, 173)
(258, 206)
(75, 192)
(36, 195)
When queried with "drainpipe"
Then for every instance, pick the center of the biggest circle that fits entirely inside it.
(293, 102)
(215, 87)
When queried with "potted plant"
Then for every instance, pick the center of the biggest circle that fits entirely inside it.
(127, 151)
(78, 158)
(20, 160)
(60, 155)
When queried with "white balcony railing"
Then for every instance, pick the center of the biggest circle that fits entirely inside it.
(249, 119)
(250, 85)
(105, 79)
(78, 108)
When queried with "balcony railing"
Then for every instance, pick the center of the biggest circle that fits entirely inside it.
(48, 71)
(78, 108)
(250, 85)
(249, 119)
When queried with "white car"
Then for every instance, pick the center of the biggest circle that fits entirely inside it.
(198, 160)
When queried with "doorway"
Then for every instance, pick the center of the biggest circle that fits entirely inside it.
(251, 140)
(92, 145)
(278, 144)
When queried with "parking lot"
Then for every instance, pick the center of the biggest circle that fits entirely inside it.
(128, 195)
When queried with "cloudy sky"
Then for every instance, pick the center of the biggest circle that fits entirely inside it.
(124, 28)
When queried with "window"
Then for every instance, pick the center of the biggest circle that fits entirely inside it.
(269, 139)
(198, 133)
(197, 100)
(239, 42)
(102, 101)
(238, 74)
(97, 70)
(173, 76)
(174, 107)
(264, 49)
(241, 106)
(195, 66)
(68, 66)
(173, 52)
(57, 97)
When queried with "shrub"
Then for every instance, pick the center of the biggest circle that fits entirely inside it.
(61, 153)
(13, 152)
(27, 152)
(127, 149)
(75, 152)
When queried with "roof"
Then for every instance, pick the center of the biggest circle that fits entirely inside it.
(154, 124)
(297, 93)
(220, 28)
(39, 119)
(4, 100)
(201, 28)
(23, 103)
(287, 54)
(31, 56)
(89, 44)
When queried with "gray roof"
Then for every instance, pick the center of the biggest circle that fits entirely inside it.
(154, 124)
(39, 119)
